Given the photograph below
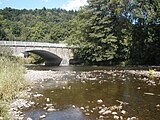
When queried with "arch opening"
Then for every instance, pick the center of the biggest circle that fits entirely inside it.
(49, 58)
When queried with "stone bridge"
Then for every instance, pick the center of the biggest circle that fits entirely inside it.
(53, 54)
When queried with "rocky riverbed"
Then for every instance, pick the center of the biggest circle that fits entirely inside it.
(39, 77)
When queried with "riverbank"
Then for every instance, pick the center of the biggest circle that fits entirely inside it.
(145, 73)
(42, 75)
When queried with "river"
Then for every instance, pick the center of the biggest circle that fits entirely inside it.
(91, 93)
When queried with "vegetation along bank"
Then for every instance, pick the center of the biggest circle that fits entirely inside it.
(11, 80)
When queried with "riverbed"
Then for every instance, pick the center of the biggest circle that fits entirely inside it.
(90, 93)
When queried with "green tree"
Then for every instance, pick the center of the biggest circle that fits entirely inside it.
(145, 38)
(101, 32)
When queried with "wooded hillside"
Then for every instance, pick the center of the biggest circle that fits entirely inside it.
(49, 25)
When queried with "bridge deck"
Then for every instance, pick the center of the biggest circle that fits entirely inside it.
(34, 44)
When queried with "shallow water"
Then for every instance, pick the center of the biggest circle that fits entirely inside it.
(82, 93)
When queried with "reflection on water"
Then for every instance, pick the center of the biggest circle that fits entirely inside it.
(86, 94)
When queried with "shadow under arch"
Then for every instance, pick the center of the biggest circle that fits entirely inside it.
(50, 58)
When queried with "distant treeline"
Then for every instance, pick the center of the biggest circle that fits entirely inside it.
(109, 32)
(49, 25)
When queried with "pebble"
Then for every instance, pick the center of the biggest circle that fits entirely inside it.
(133, 118)
(101, 111)
(42, 116)
(121, 118)
(107, 112)
(82, 108)
(103, 105)
(101, 116)
(29, 118)
(32, 103)
(116, 117)
(149, 93)
(114, 113)
(49, 105)
(87, 114)
(47, 99)
(73, 106)
(45, 108)
(37, 95)
(158, 105)
(138, 88)
(123, 112)
(99, 101)
(51, 109)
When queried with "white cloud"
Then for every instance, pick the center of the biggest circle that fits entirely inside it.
(74, 4)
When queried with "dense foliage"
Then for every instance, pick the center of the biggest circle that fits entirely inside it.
(49, 25)
(118, 32)
(108, 32)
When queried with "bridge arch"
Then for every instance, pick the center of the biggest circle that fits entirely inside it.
(51, 59)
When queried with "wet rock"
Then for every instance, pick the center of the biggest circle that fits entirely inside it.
(73, 106)
(51, 109)
(29, 118)
(42, 116)
(82, 108)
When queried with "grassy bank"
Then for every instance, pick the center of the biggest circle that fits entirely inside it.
(11, 81)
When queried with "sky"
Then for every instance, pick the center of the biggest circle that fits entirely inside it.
(32, 4)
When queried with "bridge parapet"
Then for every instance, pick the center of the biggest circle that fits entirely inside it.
(34, 44)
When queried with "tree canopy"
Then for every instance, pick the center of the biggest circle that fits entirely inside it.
(118, 32)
